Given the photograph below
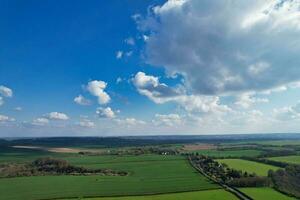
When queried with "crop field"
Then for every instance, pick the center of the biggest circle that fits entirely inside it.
(9, 154)
(265, 193)
(218, 194)
(229, 153)
(287, 159)
(248, 166)
(149, 174)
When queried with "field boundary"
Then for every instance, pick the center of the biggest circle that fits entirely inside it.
(234, 191)
(133, 195)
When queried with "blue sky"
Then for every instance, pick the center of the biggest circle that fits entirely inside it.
(149, 67)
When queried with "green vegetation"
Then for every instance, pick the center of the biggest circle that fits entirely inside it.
(207, 194)
(248, 166)
(279, 142)
(156, 171)
(287, 159)
(287, 180)
(50, 166)
(229, 153)
(265, 193)
(148, 174)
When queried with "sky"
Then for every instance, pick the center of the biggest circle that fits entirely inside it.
(157, 67)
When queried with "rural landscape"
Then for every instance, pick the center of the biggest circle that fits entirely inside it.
(151, 168)
(149, 100)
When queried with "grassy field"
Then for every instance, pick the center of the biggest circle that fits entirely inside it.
(248, 166)
(207, 194)
(265, 193)
(287, 159)
(149, 174)
(229, 153)
(9, 154)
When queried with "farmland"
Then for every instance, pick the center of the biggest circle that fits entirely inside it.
(229, 153)
(287, 159)
(156, 171)
(248, 166)
(149, 174)
(206, 194)
(265, 193)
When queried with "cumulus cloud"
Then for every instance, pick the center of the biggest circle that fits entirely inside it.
(168, 120)
(85, 123)
(119, 54)
(57, 116)
(288, 112)
(246, 100)
(130, 41)
(119, 80)
(5, 91)
(222, 47)
(96, 88)
(105, 112)
(151, 87)
(81, 100)
(130, 121)
(40, 121)
(4, 118)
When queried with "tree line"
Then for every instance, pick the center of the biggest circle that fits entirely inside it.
(51, 166)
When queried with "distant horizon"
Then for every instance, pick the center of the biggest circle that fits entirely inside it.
(166, 135)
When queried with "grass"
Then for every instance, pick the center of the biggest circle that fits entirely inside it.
(248, 166)
(230, 153)
(265, 193)
(207, 194)
(280, 142)
(149, 174)
(287, 159)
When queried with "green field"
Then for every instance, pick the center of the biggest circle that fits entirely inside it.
(287, 159)
(229, 153)
(248, 166)
(265, 193)
(149, 174)
(9, 154)
(206, 194)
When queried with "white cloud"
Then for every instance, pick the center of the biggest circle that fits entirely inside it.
(96, 88)
(129, 53)
(57, 116)
(151, 87)
(5, 91)
(18, 108)
(119, 54)
(258, 68)
(130, 41)
(276, 89)
(81, 100)
(105, 112)
(40, 121)
(168, 120)
(246, 100)
(1, 101)
(287, 113)
(119, 80)
(4, 118)
(130, 122)
(161, 93)
(145, 38)
(85, 123)
(222, 47)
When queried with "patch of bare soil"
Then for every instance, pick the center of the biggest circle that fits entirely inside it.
(200, 146)
(60, 149)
